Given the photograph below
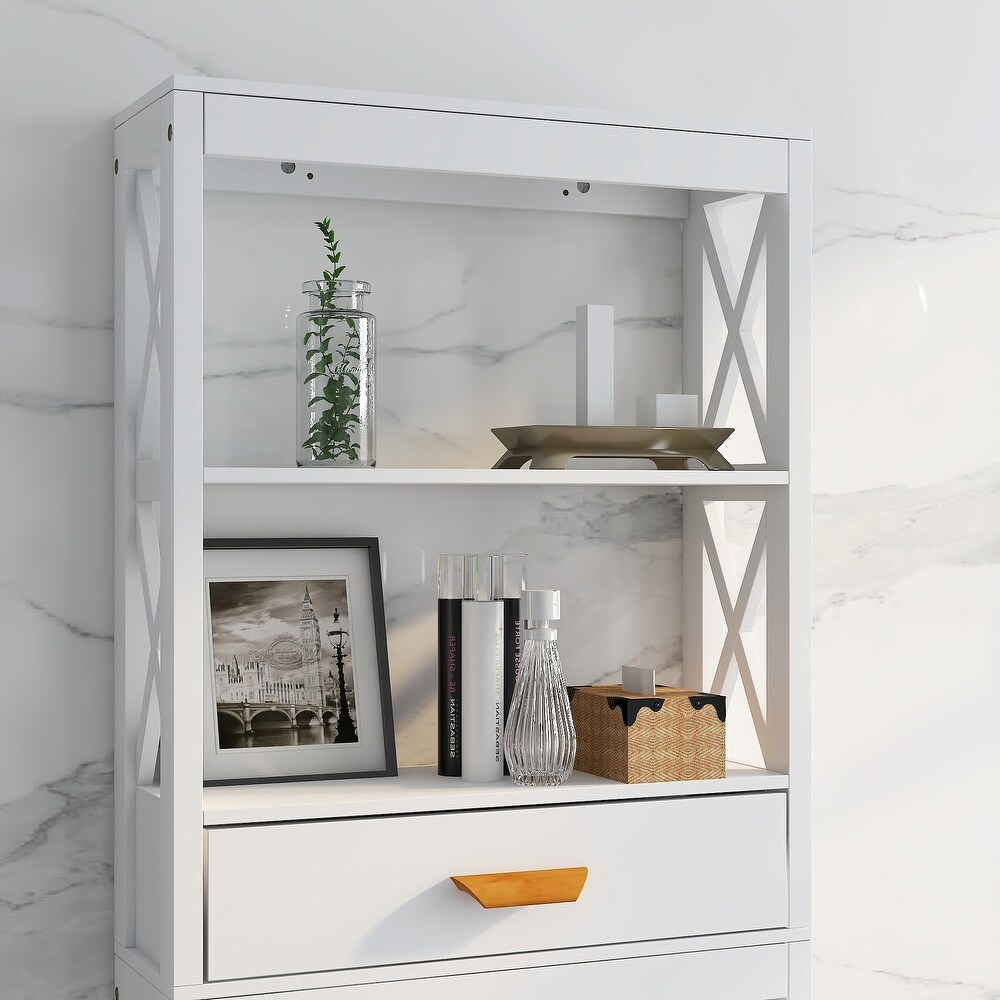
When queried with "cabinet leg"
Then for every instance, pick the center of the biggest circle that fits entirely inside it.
(800, 971)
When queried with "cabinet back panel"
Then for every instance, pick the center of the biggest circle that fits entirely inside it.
(614, 552)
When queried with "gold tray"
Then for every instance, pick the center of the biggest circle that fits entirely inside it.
(551, 446)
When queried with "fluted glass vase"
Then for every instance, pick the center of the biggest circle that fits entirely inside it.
(539, 737)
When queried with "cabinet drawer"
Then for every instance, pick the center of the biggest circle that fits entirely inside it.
(759, 973)
(304, 897)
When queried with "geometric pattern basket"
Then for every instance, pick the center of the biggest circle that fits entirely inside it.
(677, 735)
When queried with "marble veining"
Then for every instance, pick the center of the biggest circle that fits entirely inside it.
(892, 531)
(189, 63)
(44, 403)
(882, 215)
(906, 556)
(883, 984)
(21, 317)
(386, 413)
(75, 630)
(484, 357)
(56, 886)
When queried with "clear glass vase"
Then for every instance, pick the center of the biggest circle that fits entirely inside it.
(539, 736)
(335, 419)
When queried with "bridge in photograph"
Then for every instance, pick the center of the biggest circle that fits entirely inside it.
(243, 714)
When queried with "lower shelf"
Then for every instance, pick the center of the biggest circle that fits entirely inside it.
(421, 789)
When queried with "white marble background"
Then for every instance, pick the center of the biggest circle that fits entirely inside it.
(902, 97)
(475, 315)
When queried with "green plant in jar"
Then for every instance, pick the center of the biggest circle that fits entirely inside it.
(337, 367)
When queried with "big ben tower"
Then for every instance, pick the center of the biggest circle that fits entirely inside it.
(311, 644)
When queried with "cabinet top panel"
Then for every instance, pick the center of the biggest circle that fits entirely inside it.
(297, 92)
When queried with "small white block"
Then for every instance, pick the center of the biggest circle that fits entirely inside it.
(639, 680)
(595, 366)
(663, 409)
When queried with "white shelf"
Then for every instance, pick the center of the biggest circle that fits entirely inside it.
(489, 477)
(195, 133)
(422, 789)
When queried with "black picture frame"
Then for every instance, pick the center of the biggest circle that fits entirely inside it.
(243, 765)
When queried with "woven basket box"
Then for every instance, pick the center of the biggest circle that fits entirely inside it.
(675, 735)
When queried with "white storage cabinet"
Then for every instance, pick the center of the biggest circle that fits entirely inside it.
(719, 910)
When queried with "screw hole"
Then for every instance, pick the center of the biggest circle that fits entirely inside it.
(116, 164)
(309, 175)
(287, 167)
(565, 193)
(583, 186)
(170, 133)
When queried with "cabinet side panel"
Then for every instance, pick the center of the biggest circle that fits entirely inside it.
(800, 530)
(693, 382)
(150, 887)
(789, 577)
(135, 147)
(799, 971)
(129, 985)
(181, 586)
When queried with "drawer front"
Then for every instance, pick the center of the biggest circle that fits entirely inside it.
(734, 974)
(308, 897)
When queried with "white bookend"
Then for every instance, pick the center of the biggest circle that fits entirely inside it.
(595, 366)
(666, 409)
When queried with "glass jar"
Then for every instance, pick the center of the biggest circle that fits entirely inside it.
(335, 362)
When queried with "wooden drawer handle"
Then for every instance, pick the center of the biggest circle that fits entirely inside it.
(548, 885)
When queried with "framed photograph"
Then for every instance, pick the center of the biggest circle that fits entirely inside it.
(296, 663)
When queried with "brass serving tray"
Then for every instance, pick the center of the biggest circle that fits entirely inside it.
(551, 446)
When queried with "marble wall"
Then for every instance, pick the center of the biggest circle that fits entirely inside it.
(907, 477)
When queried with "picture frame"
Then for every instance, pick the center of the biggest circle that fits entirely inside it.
(296, 661)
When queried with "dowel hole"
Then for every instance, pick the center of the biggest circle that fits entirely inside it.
(170, 133)
(116, 164)
(309, 175)
(565, 192)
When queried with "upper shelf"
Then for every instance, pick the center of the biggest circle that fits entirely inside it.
(489, 477)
